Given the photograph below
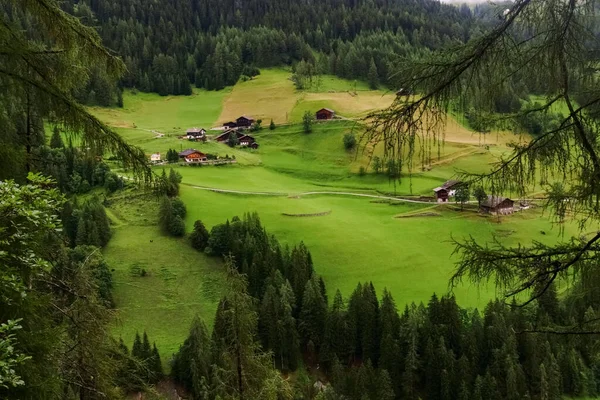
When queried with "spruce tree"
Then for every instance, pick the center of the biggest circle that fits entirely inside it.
(199, 236)
(56, 141)
(313, 314)
(373, 77)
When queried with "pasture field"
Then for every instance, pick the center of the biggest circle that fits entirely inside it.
(177, 284)
(358, 239)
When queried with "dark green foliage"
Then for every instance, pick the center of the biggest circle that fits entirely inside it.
(216, 44)
(56, 141)
(480, 194)
(313, 316)
(349, 141)
(372, 76)
(376, 162)
(307, 122)
(172, 156)
(170, 216)
(233, 140)
(168, 185)
(93, 226)
(272, 125)
(199, 236)
(462, 195)
(191, 365)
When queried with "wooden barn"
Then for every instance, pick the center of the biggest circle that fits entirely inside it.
(230, 125)
(195, 134)
(448, 189)
(244, 122)
(193, 156)
(248, 141)
(498, 205)
(441, 194)
(325, 113)
(404, 92)
(224, 137)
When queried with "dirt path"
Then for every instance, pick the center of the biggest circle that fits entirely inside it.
(298, 195)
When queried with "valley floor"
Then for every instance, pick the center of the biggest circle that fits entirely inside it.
(406, 247)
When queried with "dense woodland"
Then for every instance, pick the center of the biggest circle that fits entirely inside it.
(170, 45)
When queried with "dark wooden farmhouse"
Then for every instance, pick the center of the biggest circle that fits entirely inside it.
(224, 137)
(195, 134)
(193, 156)
(230, 125)
(244, 122)
(448, 189)
(404, 92)
(498, 205)
(248, 141)
(325, 113)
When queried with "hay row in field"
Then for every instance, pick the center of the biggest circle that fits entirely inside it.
(321, 214)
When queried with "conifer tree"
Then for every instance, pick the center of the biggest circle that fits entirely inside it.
(56, 141)
(313, 314)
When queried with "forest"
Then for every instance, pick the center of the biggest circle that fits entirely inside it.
(169, 46)
(277, 334)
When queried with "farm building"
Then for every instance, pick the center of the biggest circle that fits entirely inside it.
(195, 134)
(248, 141)
(224, 137)
(155, 157)
(244, 122)
(404, 92)
(441, 194)
(448, 189)
(193, 156)
(325, 113)
(230, 125)
(498, 205)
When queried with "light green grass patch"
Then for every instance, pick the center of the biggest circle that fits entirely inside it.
(362, 241)
(178, 284)
(168, 114)
(332, 83)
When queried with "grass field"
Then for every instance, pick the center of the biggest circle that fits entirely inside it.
(360, 239)
(179, 282)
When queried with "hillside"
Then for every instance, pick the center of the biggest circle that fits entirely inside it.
(295, 173)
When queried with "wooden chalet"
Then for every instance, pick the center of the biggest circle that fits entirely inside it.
(498, 205)
(248, 141)
(325, 113)
(448, 189)
(230, 125)
(193, 156)
(441, 194)
(224, 137)
(195, 134)
(244, 122)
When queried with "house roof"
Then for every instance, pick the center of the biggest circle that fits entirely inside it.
(196, 130)
(225, 135)
(439, 189)
(187, 152)
(246, 117)
(494, 201)
(246, 137)
(326, 109)
(451, 183)
(230, 123)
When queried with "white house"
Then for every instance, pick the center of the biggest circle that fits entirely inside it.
(195, 134)
(155, 157)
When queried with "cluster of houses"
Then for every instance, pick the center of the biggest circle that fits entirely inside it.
(495, 205)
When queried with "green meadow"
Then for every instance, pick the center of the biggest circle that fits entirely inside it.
(406, 247)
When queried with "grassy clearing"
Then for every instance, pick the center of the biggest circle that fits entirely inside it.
(332, 83)
(170, 114)
(361, 240)
(271, 95)
(179, 282)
